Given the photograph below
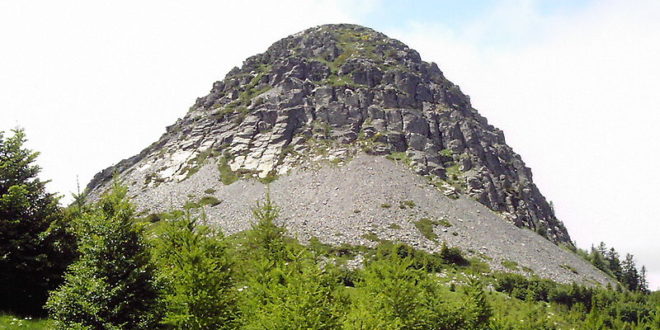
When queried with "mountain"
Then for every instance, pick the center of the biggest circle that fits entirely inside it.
(359, 140)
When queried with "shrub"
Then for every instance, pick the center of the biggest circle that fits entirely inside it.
(209, 200)
(425, 226)
(452, 255)
(406, 204)
(509, 264)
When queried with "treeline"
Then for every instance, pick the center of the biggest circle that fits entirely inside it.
(625, 271)
(102, 266)
(180, 273)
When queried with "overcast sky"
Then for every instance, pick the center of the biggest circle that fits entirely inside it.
(574, 85)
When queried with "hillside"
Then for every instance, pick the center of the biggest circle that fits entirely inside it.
(360, 141)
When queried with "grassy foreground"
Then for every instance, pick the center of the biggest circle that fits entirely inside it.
(17, 322)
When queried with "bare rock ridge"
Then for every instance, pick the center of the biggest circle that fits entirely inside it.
(331, 93)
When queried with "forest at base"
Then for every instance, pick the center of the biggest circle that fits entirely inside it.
(101, 265)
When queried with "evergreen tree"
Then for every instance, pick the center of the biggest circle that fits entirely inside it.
(111, 285)
(630, 276)
(195, 271)
(614, 263)
(265, 238)
(32, 254)
(598, 259)
(284, 286)
(477, 307)
(391, 294)
(643, 284)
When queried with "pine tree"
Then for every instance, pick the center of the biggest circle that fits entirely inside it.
(265, 237)
(284, 286)
(643, 284)
(111, 285)
(391, 294)
(479, 310)
(32, 256)
(614, 263)
(196, 273)
(598, 259)
(630, 277)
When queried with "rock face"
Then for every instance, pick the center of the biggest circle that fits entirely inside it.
(331, 93)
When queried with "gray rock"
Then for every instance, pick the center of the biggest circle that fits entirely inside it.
(380, 97)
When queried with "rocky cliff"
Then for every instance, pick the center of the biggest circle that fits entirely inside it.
(330, 93)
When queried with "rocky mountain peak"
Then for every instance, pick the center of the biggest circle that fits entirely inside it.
(325, 96)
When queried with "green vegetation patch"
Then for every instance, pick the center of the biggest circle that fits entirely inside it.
(569, 268)
(394, 226)
(371, 236)
(425, 226)
(194, 164)
(28, 323)
(227, 176)
(407, 204)
(446, 153)
(444, 222)
(209, 200)
(510, 264)
(399, 156)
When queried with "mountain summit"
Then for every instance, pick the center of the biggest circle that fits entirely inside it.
(358, 138)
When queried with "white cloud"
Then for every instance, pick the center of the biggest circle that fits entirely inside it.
(579, 102)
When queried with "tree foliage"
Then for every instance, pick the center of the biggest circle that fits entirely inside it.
(284, 287)
(196, 275)
(111, 285)
(33, 250)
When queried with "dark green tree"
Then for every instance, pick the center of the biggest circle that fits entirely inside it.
(630, 276)
(597, 256)
(196, 274)
(643, 284)
(32, 254)
(111, 285)
(614, 263)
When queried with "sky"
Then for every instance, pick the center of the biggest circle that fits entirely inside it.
(574, 85)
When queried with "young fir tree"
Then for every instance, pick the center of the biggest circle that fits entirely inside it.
(32, 254)
(195, 271)
(476, 305)
(284, 286)
(111, 285)
(390, 294)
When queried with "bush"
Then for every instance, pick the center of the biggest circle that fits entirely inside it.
(452, 255)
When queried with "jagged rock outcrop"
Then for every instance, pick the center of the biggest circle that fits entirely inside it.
(330, 93)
